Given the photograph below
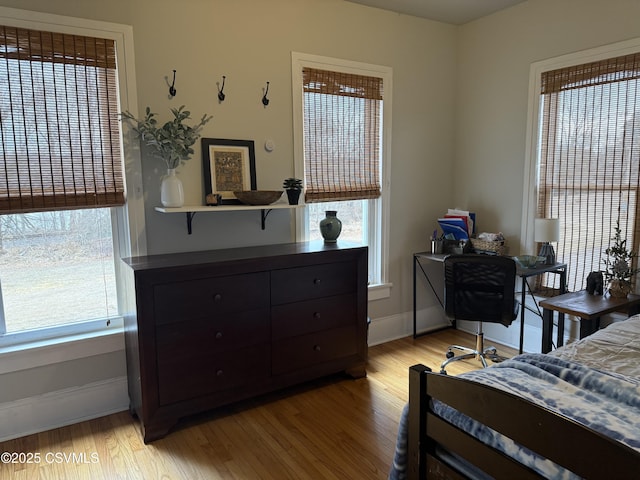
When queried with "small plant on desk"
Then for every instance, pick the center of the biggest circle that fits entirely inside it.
(619, 271)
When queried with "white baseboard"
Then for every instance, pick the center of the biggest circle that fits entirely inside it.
(386, 329)
(63, 407)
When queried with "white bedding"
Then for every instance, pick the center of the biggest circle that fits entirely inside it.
(614, 349)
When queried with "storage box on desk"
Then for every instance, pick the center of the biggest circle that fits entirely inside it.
(489, 247)
(453, 247)
(456, 247)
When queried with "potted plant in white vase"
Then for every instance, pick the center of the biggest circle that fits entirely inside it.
(172, 142)
(619, 271)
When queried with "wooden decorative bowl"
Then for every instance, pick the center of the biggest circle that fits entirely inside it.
(258, 197)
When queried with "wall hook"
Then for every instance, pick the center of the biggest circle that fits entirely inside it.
(265, 100)
(221, 94)
(172, 89)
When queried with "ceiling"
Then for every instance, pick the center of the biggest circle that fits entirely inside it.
(456, 12)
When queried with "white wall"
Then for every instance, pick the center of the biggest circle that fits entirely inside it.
(250, 41)
(494, 58)
(495, 54)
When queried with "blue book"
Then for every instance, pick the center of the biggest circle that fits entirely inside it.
(455, 228)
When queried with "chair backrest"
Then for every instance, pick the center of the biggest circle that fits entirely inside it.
(480, 288)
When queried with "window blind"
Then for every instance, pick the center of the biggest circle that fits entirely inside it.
(342, 125)
(589, 161)
(60, 134)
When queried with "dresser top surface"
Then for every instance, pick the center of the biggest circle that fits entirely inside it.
(182, 259)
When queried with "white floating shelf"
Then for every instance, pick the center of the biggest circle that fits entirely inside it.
(191, 210)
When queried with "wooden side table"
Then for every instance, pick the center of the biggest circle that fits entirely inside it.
(589, 308)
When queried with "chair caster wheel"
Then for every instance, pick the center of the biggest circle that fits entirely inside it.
(449, 354)
(443, 372)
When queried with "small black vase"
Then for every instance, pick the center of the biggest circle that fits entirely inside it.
(293, 196)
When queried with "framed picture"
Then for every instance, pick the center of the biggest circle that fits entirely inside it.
(228, 165)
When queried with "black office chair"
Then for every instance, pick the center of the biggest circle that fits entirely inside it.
(479, 288)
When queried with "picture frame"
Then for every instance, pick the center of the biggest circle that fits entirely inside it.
(228, 166)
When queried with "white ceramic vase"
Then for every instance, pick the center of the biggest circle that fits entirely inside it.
(619, 289)
(171, 191)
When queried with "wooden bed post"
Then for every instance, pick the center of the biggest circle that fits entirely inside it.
(416, 430)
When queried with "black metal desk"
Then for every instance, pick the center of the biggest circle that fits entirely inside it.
(523, 273)
(416, 264)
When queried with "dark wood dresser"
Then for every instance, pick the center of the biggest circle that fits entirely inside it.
(218, 326)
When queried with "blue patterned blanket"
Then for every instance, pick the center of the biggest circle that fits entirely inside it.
(606, 402)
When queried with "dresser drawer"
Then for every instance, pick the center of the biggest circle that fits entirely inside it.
(312, 349)
(201, 372)
(216, 334)
(208, 297)
(314, 281)
(293, 319)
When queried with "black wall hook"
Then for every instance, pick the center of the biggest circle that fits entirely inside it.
(221, 94)
(265, 100)
(172, 89)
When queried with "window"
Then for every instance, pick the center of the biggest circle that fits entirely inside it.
(341, 133)
(59, 126)
(588, 157)
(56, 268)
(63, 219)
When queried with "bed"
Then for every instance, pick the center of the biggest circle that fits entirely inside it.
(572, 413)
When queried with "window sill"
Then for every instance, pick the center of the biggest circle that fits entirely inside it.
(39, 353)
(380, 291)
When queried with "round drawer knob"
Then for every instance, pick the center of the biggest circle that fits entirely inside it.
(219, 373)
(218, 335)
(316, 348)
(217, 297)
(316, 281)
(316, 315)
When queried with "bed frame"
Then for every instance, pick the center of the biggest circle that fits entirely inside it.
(576, 447)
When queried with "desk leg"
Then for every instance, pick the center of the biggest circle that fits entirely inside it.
(547, 330)
(415, 260)
(587, 326)
(522, 310)
(560, 340)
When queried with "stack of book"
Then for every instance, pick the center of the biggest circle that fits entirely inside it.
(457, 224)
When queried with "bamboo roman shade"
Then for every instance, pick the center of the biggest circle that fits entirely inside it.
(60, 133)
(342, 125)
(590, 159)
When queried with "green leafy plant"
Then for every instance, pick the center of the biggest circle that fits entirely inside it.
(172, 141)
(619, 261)
(292, 184)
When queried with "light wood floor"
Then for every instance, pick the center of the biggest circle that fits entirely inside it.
(335, 428)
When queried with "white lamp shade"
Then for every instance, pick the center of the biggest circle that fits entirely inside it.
(546, 230)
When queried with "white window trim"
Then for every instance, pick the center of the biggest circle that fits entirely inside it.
(128, 221)
(530, 192)
(298, 62)
(63, 347)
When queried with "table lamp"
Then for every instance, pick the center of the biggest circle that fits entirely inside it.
(547, 230)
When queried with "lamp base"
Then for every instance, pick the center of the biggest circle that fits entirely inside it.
(546, 250)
